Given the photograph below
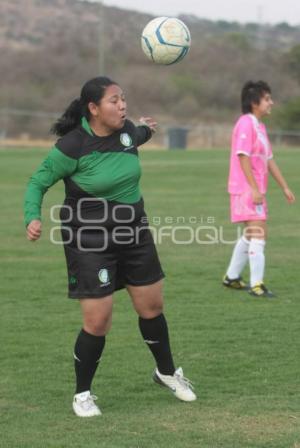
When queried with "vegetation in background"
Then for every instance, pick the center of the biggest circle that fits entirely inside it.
(49, 48)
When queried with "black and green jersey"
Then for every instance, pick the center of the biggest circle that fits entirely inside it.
(91, 167)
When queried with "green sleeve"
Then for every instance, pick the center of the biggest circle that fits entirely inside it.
(56, 166)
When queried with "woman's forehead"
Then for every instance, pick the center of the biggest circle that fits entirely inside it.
(266, 95)
(113, 90)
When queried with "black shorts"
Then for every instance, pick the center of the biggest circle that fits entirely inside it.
(98, 273)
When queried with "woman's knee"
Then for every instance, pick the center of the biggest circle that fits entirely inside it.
(257, 230)
(150, 309)
(97, 315)
(147, 300)
(98, 326)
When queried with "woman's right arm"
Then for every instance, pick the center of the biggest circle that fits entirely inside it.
(56, 166)
(244, 138)
(247, 170)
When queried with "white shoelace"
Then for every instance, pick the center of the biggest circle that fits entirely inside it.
(183, 381)
(89, 402)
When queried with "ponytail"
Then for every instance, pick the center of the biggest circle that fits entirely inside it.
(69, 120)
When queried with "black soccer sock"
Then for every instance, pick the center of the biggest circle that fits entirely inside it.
(156, 336)
(87, 354)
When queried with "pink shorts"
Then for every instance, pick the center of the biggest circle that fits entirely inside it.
(242, 208)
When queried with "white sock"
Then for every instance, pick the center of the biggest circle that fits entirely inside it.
(256, 261)
(239, 258)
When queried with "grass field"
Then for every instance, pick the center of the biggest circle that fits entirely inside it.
(241, 353)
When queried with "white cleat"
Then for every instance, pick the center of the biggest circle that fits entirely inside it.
(177, 383)
(84, 406)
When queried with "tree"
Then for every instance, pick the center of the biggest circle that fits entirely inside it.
(294, 61)
(288, 116)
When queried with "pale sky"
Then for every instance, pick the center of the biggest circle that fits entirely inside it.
(261, 11)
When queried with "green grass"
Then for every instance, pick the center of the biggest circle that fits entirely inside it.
(241, 353)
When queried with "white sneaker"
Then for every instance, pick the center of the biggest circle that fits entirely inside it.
(84, 406)
(177, 383)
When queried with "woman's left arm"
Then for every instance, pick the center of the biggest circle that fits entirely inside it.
(276, 174)
(145, 130)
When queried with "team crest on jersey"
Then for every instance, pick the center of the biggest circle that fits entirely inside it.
(125, 139)
(72, 280)
(103, 277)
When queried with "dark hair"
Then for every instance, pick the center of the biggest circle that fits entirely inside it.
(252, 92)
(92, 91)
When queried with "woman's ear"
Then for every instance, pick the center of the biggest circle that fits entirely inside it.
(94, 109)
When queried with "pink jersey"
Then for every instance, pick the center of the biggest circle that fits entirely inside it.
(249, 137)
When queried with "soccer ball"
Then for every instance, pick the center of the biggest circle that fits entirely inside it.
(166, 40)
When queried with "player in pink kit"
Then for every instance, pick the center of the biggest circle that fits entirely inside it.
(251, 162)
